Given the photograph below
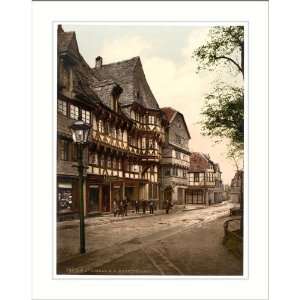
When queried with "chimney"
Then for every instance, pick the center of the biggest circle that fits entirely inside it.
(59, 29)
(99, 61)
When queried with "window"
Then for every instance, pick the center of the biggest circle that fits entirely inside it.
(177, 155)
(151, 119)
(167, 171)
(144, 143)
(150, 144)
(64, 197)
(196, 177)
(114, 164)
(85, 116)
(119, 134)
(102, 161)
(74, 112)
(184, 173)
(178, 139)
(64, 150)
(108, 162)
(93, 158)
(62, 107)
(106, 128)
(113, 132)
(101, 126)
(74, 152)
(132, 115)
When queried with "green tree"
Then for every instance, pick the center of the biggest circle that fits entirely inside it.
(223, 113)
(225, 45)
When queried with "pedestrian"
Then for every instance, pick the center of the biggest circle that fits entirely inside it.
(151, 206)
(125, 206)
(121, 208)
(144, 206)
(115, 208)
(168, 206)
(137, 206)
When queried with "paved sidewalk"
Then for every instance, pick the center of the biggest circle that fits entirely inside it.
(107, 218)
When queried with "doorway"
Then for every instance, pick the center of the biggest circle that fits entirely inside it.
(105, 204)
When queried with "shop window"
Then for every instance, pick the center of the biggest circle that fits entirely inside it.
(64, 197)
(93, 198)
(74, 112)
(62, 107)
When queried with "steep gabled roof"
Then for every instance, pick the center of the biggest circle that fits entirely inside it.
(170, 114)
(198, 162)
(130, 76)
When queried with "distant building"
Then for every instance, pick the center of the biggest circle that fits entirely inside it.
(205, 181)
(175, 160)
(235, 187)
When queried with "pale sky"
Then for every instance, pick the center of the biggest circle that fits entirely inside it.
(166, 55)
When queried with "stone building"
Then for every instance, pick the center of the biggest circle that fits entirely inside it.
(126, 136)
(175, 161)
(205, 182)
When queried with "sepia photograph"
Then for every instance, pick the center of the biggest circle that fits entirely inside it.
(150, 149)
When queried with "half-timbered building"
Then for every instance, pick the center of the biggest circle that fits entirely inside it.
(124, 149)
(205, 182)
(175, 161)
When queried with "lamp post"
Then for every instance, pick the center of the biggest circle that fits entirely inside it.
(80, 133)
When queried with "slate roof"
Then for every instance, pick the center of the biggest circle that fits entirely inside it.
(169, 114)
(84, 81)
(130, 76)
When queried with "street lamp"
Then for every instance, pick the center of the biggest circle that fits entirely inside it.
(80, 133)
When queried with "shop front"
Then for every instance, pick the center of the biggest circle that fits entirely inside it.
(67, 198)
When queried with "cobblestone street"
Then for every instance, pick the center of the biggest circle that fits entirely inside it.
(187, 242)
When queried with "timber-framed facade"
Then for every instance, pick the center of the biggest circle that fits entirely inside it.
(126, 136)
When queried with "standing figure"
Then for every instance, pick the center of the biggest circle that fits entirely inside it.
(168, 206)
(137, 206)
(125, 206)
(115, 208)
(144, 206)
(151, 207)
(121, 208)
